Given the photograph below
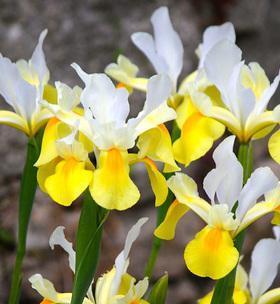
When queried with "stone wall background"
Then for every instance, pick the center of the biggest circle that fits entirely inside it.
(92, 33)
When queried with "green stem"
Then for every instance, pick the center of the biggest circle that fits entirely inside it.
(161, 212)
(223, 292)
(89, 237)
(26, 198)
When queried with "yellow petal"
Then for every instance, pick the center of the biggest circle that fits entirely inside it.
(274, 146)
(45, 171)
(158, 182)
(239, 297)
(270, 297)
(50, 94)
(166, 230)
(112, 187)
(48, 148)
(197, 137)
(14, 120)
(69, 181)
(211, 254)
(206, 299)
(184, 111)
(156, 144)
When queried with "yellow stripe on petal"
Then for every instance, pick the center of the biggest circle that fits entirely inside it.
(156, 144)
(14, 120)
(197, 137)
(112, 187)
(211, 254)
(48, 149)
(274, 146)
(158, 182)
(166, 230)
(69, 181)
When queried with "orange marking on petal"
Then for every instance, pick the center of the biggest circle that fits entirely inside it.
(213, 239)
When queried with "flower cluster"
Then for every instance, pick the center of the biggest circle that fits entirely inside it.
(90, 143)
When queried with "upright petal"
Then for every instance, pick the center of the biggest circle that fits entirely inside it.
(225, 180)
(261, 181)
(58, 238)
(212, 35)
(263, 269)
(44, 287)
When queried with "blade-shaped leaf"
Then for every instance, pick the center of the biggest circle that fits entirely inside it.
(159, 291)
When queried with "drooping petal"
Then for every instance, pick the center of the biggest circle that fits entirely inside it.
(270, 297)
(261, 181)
(14, 120)
(156, 144)
(112, 187)
(158, 182)
(263, 269)
(124, 71)
(45, 171)
(58, 238)
(211, 254)
(69, 181)
(185, 190)
(48, 148)
(197, 137)
(166, 230)
(274, 146)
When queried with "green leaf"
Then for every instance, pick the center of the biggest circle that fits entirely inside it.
(89, 237)
(159, 291)
(26, 198)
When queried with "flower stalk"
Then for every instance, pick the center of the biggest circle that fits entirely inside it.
(26, 199)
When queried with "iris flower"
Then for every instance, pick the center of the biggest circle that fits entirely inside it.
(212, 253)
(114, 287)
(23, 86)
(165, 52)
(261, 276)
(105, 124)
(245, 92)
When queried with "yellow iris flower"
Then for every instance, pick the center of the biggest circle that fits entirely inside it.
(212, 253)
(261, 276)
(114, 287)
(23, 86)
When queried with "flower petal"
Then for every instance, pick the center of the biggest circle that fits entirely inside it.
(69, 181)
(261, 181)
(274, 146)
(263, 269)
(211, 254)
(166, 230)
(197, 137)
(44, 287)
(112, 187)
(270, 297)
(14, 120)
(156, 144)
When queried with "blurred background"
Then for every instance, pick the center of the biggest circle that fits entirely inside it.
(93, 33)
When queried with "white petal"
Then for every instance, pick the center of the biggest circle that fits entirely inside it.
(158, 91)
(68, 98)
(121, 262)
(225, 180)
(168, 43)
(58, 238)
(266, 96)
(38, 59)
(214, 34)
(265, 261)
(261, 181)
(146, 44)
(220, 62)
(44, 287)
(276, 232)
(107, 103)
(18, 93)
